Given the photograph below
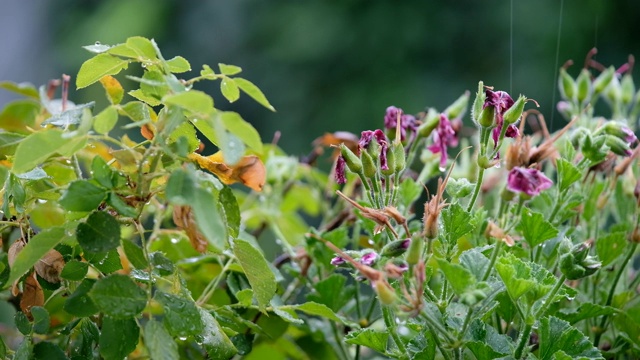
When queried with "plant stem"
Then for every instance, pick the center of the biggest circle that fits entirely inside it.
(339, 342)
(612, 291)
(213, 284)
(435, 325)
(476, 191)
(492, 260)
(391, 328)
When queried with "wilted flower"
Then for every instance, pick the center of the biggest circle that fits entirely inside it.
(408, 123)
(369, 258)
(501, 102)
(444, 136)
(340, 173)
(528, 181)
(366, 139)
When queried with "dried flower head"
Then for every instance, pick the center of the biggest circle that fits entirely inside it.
(408, 123)
(528, 181)
(444, 137)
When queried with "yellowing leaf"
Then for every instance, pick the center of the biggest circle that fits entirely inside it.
(250, 171)
(114, 90)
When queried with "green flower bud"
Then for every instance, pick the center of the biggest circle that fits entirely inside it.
(628, 89)
(368, 165)
(613, 92)
(353, 162)
(391, 163)
(567, 85)
(458, 107)
(618, 146)
(385, 292)
(430, 122)
(415, 251)
(513, 114)
(478, 102)
(487, 117)
(395, 248)
(577, 263)
(603, 80)
(399, 157)
(583, 83)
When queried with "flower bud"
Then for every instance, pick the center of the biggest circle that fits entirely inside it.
(620, 131)
(513, 114)
(617, 146)
(368, 165)
(415, 251)
(583, 83)
(369, 258)
(613, 92)
(395, 248)
(593, 148)
(487, 116)
(457, 109)
(628, 89)
(603, 80)
(385, 292)
(353, 162)
(430, 122)
(478, 102)
(459, 188)
(399, 157)
(567, 85)
(577, 263)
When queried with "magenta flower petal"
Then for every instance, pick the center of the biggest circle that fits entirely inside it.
(528, 181)
(340, 173)
(408, 123)
(337, 261)
(443, 137)
(369, 258)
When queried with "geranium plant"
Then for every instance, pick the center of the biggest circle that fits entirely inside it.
(419, 244)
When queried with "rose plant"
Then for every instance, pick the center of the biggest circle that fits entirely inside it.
(521, 246)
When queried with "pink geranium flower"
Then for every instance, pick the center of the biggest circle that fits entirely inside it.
(443, 137)
(527, 181)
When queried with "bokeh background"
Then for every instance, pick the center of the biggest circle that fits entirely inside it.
(331, 65)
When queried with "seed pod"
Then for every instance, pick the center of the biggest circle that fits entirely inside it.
(368, 165)
(353, 162)
(628, 89)
(399, 157)
(583, 83)
(430, 122)
(603, 80)
(513, 114)
(487, 117)
(568, 87)
(395, 248)
(478, 102)
(415, 251)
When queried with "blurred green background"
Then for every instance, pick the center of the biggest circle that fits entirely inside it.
(331, 65)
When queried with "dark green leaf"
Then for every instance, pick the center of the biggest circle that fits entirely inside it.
(374, 339)
(48, 351)
(257, 270)
(39, 146)
(181, 315)
(231, 210)
(557, 335)
(486, 343)
(105, 262)
(79, 303)
(119, 337)
(102, 172)
(213, 339)
(474, 261)
(229, 89)
(332, 292)
(457, 222)
(567, 174)
(3, 349)
(37, 247)
(74, 270)
(181, 187)
(22, 323)
(41, 320)
(209, 219)
(610, 247)
(161, 263)
(250, 89)
(535, 228)
(158, 342)
(586, 310)
(134, 254)
(100, 65)
(118, 296)
(25, 350)
(237, 126)
(82, 195)
(193, 101)
(120, 206)
(100, 233)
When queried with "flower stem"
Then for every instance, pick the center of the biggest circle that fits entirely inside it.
(391, 328)
(492, 260)
(612, 291)
(476, 191)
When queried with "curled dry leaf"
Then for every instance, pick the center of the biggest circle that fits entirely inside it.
(50, 266)
(184, 219)
(32, 295)
(14, 249)
(249, 171)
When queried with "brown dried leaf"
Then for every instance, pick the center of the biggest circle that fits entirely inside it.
(50, 266)
(184, 219)
(250, 171)
(32, 295)
(14, 249)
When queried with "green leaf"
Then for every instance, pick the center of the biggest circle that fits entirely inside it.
(486, 343)
(72, 116)
(535, 228)
(22, 323)
(231, 210)
(106, 120)
(82, 195)
(119, 337)
(162, 264)
(209, 219)
(136, 111)
(98, 66)
(557, 335)
(102, 172)
(515, 274)
(228, 69)
(35, 249)
(24, 89)
(610, 247)
(3, 349)
(187, 131)
(194, 101)
(41, 320)
(25, 350)
(79, 303)
(181, 187)
(181, 316)
(100, 233)
(312, 308)
(229, 89)
(237, 126)
(134, 254)
(213, 339)
(159, 343)
(178, 65)
(332, 292)
(142, 96)
(231, 146)
(9, 143)
(48, 351)
(250, 89)
(105, 262)
(474, 261)
(460, 278)
(567, 174)
(374, 339)
(20, 115)
(120, 206)
(457, 222)
(257, 270)
(586, 310)
(143, 47)
(75, 270)
(39, 146)
(118, 296)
